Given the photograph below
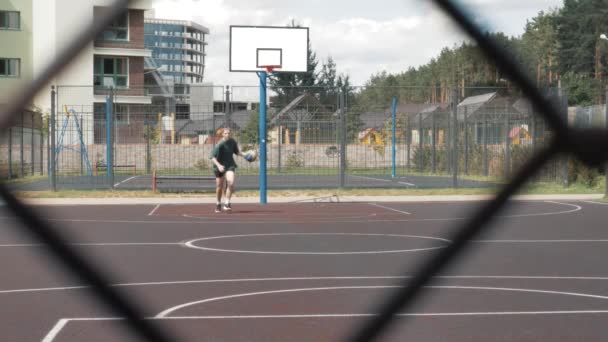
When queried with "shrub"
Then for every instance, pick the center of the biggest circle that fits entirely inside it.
(294, 160)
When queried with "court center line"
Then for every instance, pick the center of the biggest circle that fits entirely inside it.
(124, 181)
(389, 208)
(154, 210)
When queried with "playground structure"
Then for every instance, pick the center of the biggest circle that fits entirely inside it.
(71, 113)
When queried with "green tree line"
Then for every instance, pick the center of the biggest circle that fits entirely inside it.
(559, 47)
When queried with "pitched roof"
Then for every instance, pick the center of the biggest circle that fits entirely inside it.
(477, 100)
(292, 107)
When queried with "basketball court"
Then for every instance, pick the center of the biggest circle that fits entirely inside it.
(313, 271)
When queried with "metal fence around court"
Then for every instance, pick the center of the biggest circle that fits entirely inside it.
(22, 146)
(587, 144)
(317, 137)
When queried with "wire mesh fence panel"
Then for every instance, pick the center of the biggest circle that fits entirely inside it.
(316, 137)
(20, 146)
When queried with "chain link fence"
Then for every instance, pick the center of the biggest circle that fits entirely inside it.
(22, 146)
(317, 138)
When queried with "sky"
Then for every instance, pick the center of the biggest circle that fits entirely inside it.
(362, 37)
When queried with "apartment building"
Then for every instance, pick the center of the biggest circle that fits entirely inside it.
(114, 60)
(175, 72)
(15, 47)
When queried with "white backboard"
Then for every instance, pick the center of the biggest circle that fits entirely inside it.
(254, 46)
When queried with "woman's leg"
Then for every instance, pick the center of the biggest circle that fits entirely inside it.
(219, 187)
(230, 178)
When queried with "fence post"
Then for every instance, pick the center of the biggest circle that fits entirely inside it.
(448, 140)
(48, 147)
(420, 145)
(82, 147)
(228, 110)
(606, 164)
(32, 157)
(342, 140)
(466, 141)
(434, 141)
(10, 152)
(213, 129)
(486, 170)
(109, 139)
(52, 171)
(563, 106)
(507, 144)
(42, 145)
(393, 138)
(280, 142)
(409, 141)
(533, 129)
(148, 147)
(455, 138)
(21, 152)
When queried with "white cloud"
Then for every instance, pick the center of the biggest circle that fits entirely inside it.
(363, 37)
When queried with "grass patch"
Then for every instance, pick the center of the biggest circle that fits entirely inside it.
(25, 180)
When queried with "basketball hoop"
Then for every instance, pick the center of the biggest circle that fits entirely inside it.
(270, 68)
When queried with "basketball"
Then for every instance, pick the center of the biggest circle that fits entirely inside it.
(251, 156)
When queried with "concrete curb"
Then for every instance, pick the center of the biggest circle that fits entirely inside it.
(328, 198)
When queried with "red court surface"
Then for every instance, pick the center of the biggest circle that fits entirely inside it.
(312, 272)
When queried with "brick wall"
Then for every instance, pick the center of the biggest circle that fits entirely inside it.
(136, 33)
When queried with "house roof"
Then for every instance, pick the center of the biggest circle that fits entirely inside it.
(411, 110)
(477, 100)
(492, 106)
(292, 107)
(364, 133)
(523, 105)
(515, 131)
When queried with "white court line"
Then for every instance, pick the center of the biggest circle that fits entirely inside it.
(600, 203)
(244, 280)
(124, 181)
(154, 210)
(191, 244)
(383, 180)
(56, 330)
(538, 241)
(148, 222)
(388, 208)
(167, 312)
(50, 337)
(98, 244)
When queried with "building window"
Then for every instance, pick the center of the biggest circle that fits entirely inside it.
(118, 29)
(111, 72)
(9, 20)
(10, 67)
(122, 114)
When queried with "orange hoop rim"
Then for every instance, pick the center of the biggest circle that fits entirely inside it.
(270, 68)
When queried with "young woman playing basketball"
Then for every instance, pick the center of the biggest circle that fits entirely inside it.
(224, 168)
